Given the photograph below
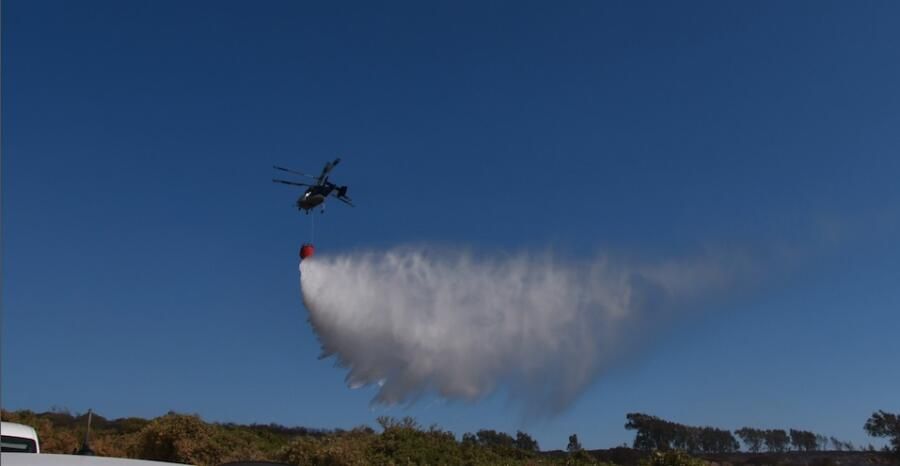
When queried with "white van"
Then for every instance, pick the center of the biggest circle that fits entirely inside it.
(18, 438)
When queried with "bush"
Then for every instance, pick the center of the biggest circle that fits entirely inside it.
(178, 438)
(338, 450)
(671, 458)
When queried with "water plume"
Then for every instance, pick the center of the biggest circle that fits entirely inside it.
(416, 321)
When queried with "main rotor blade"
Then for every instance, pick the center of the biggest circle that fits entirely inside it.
(345, 200)
(292, 171)
(294, 183)
(328, 167)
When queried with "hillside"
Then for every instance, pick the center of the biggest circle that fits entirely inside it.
(187, 438)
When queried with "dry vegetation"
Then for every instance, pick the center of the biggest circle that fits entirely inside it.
(188, 439)
(182, 438)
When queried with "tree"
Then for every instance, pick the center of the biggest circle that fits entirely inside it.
(687, 438)
(837, 444)
(795, 438)
(887, 425)
(714, 440)
(525, 442)
(641, 423)
(753, 438)
(811, 441)
(803, 440)
(387, 423)
(574, 444)
(492, 438)
(777, 440)
(653, 433)
(822, 442)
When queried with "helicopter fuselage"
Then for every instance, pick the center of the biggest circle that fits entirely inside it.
(309, 201)
(313, 197)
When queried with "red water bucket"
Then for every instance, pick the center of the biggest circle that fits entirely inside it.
(307, 250)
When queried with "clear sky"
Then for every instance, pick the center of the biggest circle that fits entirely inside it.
(150, 265)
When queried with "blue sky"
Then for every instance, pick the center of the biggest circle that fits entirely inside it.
(149, 264)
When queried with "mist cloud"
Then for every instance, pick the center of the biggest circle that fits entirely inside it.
(414, 321)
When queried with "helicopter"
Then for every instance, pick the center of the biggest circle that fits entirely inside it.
(319, 191)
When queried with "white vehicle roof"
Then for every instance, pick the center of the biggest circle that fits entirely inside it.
(17, 430)
(27, 459)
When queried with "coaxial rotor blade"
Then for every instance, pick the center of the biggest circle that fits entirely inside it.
(294, 183)
(328, 167)
(292, 171)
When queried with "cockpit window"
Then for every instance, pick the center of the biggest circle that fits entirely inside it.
(10, 444)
